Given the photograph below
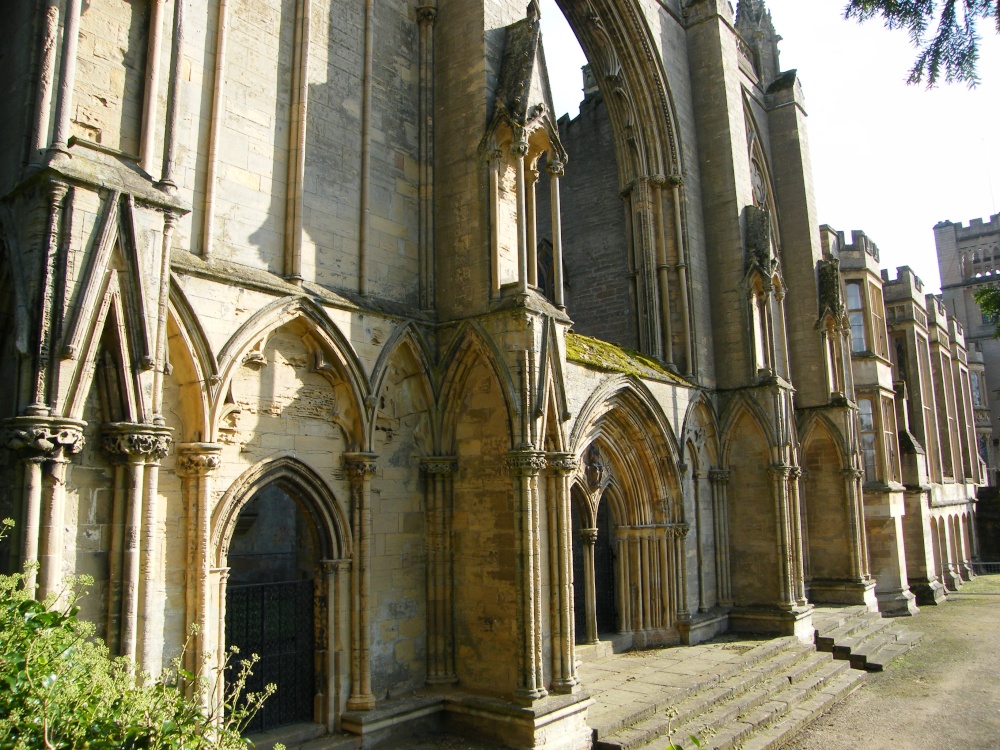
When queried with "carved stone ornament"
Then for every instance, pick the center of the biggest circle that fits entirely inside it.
(758, 236)
(679, 530)
(589, 536)
(593, 467)
(718, 475)
(125, 439)
(426, 14)
(198, 458)
(360, 465)
(563, 463)
(439, 465)
(42, 436)
(526, 462)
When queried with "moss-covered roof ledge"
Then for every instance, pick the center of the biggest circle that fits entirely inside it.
(605, 356)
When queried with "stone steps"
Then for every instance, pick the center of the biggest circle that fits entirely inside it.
(305, 737)
(864, 639)
(718, 708)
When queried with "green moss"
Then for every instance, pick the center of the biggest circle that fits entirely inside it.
(606, 356)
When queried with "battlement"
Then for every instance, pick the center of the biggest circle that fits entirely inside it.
(976, 226)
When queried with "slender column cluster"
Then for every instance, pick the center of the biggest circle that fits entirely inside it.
(589, 539)
(426, 15)
(135, 449)
(438, 487)
(360, 468)
(719, 479)
(197, 464)
(526, 466)
(561, 572)
(43, 446)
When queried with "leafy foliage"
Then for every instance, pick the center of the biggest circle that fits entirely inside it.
(952, 48)
(988, 299)
(59, 687)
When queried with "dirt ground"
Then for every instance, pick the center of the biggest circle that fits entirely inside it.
(945, 693)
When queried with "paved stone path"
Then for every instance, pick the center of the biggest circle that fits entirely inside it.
(945, 693)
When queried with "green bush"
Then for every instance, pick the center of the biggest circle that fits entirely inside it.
(60, 688)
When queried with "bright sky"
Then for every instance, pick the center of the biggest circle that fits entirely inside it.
(889, 159)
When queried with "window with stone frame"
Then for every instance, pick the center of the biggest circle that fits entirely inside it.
(977, 394)
(856, 315)
(889, 432)
(881, 344)
(869, 439)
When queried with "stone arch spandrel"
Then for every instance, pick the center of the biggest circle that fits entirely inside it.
(186, 385)
(753, 520)
(325, 351)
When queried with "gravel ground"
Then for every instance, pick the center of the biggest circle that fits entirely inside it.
(945, 693)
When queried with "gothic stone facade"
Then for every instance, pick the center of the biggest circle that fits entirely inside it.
(281, 335)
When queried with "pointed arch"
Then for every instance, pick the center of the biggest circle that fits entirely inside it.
(303, 484)
(468, 344)
(406, 342)
(624, 420)
(701, 427)
(742, 405)
(331, 349)
(817, 423)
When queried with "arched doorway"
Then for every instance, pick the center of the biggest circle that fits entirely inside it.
(605, 612)
(273, 570)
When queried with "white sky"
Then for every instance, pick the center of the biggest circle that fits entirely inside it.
(889, 159)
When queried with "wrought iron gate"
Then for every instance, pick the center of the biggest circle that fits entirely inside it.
(604, 572)
(274, 621)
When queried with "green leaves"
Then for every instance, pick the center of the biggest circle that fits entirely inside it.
(952, 49)
(61, 690)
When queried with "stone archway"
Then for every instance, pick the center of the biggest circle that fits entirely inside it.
(271, 598)
(595, 589)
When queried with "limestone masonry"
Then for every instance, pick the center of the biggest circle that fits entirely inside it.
(322, 333)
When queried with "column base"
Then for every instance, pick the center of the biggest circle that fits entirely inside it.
(928, 592)
(703, 625)
(897, 603)
(364, 702)
(569, 686)
(557, 722)
(831, 591)
(967, 572)
(952, 580)
(796, 621)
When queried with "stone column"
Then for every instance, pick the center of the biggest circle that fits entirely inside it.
(555, 170)
(438, 486)
(525, 465)
(426, 15)
(197, 464)
(139, 446)
(47, 323)
(719, 479)
(495, 159)
(43, 446)
(360, 467)
(531, 179)
(795, 507)
(519, 150)
(696, 482)
(779, 489)
(589, 539)
(663, 269)
(679, 531)
(67, 77)
(564, 678)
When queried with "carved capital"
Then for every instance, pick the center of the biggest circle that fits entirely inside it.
(779, 471)
(519, 148)
(198, 458)
(719, 475)
(563, 463)
(359, 465)
(494, 156)
(853, 474)
(589, 536)
(675, 179)
(678, 530)
(795, 472)
(555, 168)
(439, 465)
(57, 191)
(42, 437)
(131, 441)
(526, 463)
(426, 14)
